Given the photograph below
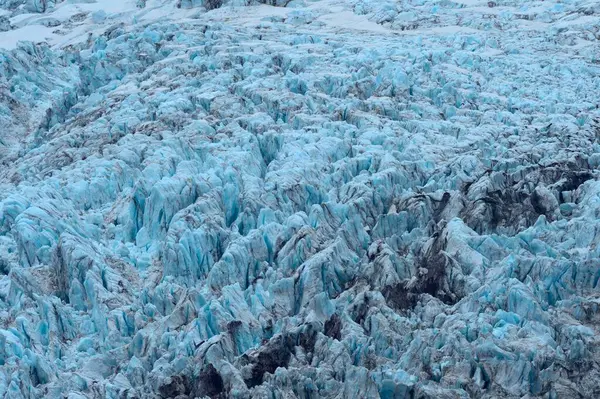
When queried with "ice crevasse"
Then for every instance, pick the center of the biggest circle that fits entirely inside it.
(281, 206)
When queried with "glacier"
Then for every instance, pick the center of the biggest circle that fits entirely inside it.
(299, 199)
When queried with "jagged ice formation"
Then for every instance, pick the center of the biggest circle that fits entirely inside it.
(333, 199)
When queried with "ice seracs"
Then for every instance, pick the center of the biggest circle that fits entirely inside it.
(260, 201)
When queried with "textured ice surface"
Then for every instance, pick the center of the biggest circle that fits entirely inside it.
(327, 200)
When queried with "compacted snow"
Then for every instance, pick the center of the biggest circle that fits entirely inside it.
(299, 199)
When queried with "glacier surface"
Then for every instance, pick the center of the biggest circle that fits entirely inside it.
(299, 199)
